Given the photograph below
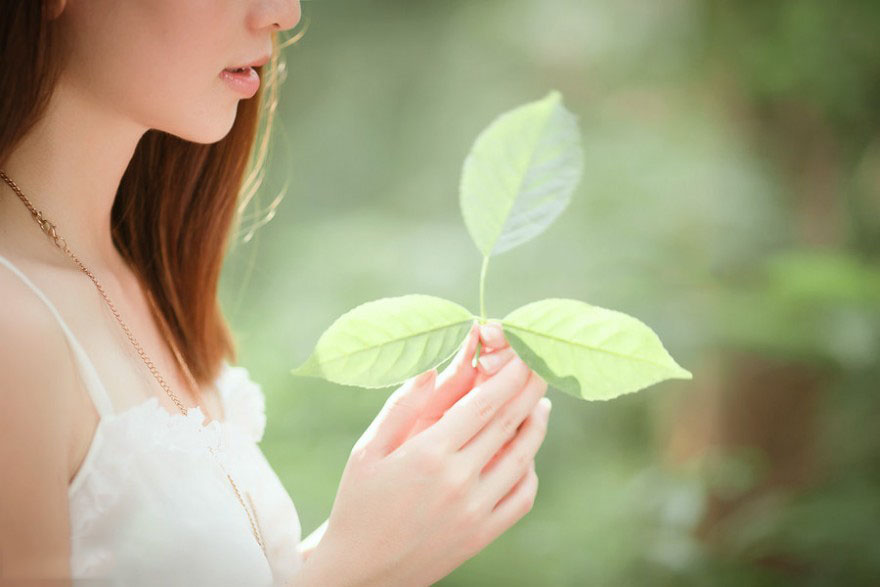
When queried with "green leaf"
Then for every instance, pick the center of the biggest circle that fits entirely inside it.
(590, 352)
(387, 341)
(520, 173)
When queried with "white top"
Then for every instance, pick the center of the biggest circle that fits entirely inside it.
(151, 505)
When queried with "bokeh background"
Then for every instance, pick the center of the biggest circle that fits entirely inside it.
(731, 200)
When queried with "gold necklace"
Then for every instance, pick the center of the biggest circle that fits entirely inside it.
(49, 229)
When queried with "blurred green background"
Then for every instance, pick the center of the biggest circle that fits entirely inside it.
(731, 201)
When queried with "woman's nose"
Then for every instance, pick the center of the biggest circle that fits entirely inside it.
(279, 15)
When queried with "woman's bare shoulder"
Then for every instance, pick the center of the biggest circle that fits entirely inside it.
(37, 388)
(37, 377)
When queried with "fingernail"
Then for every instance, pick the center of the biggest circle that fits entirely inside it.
(546, 406)
(492, 362)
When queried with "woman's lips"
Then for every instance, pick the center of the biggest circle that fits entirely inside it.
(245, 82)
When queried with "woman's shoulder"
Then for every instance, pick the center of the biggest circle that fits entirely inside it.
(38, 379)
(40, 419)
(35, 384)
(33, 348)
(41, 391)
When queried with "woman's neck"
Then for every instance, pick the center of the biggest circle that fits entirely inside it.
(69, 166)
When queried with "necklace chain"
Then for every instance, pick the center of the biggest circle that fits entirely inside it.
(50, 229)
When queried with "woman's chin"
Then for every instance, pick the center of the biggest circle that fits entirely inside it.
(210, 132)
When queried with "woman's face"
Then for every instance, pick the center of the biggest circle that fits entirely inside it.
(158, 62)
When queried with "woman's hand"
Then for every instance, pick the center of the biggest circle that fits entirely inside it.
(438, 475)
(459, 377)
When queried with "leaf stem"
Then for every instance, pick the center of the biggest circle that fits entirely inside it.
(483, 289)
(482, 305)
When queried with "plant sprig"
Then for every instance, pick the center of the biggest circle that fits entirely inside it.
(517, 179)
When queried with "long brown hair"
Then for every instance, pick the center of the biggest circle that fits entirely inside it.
(178, 202)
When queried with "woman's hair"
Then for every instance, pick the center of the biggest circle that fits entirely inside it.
(178, 201)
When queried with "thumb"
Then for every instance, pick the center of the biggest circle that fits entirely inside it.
(399, 414)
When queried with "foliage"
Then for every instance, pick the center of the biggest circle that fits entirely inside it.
(516, 181)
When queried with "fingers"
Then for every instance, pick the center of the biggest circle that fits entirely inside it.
(398, 415)
(488, 367)
(492, 336)
(518, 501)
(473, 411)
(505, 425)
(456, 379)
(515, 461)
(490, 363)
(516, 486)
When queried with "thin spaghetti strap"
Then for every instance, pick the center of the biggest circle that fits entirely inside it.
(96, 389)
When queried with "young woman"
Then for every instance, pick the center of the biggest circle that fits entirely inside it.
(129, 441)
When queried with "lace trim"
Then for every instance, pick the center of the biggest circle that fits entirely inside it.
(244, 402)
(148, 426)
